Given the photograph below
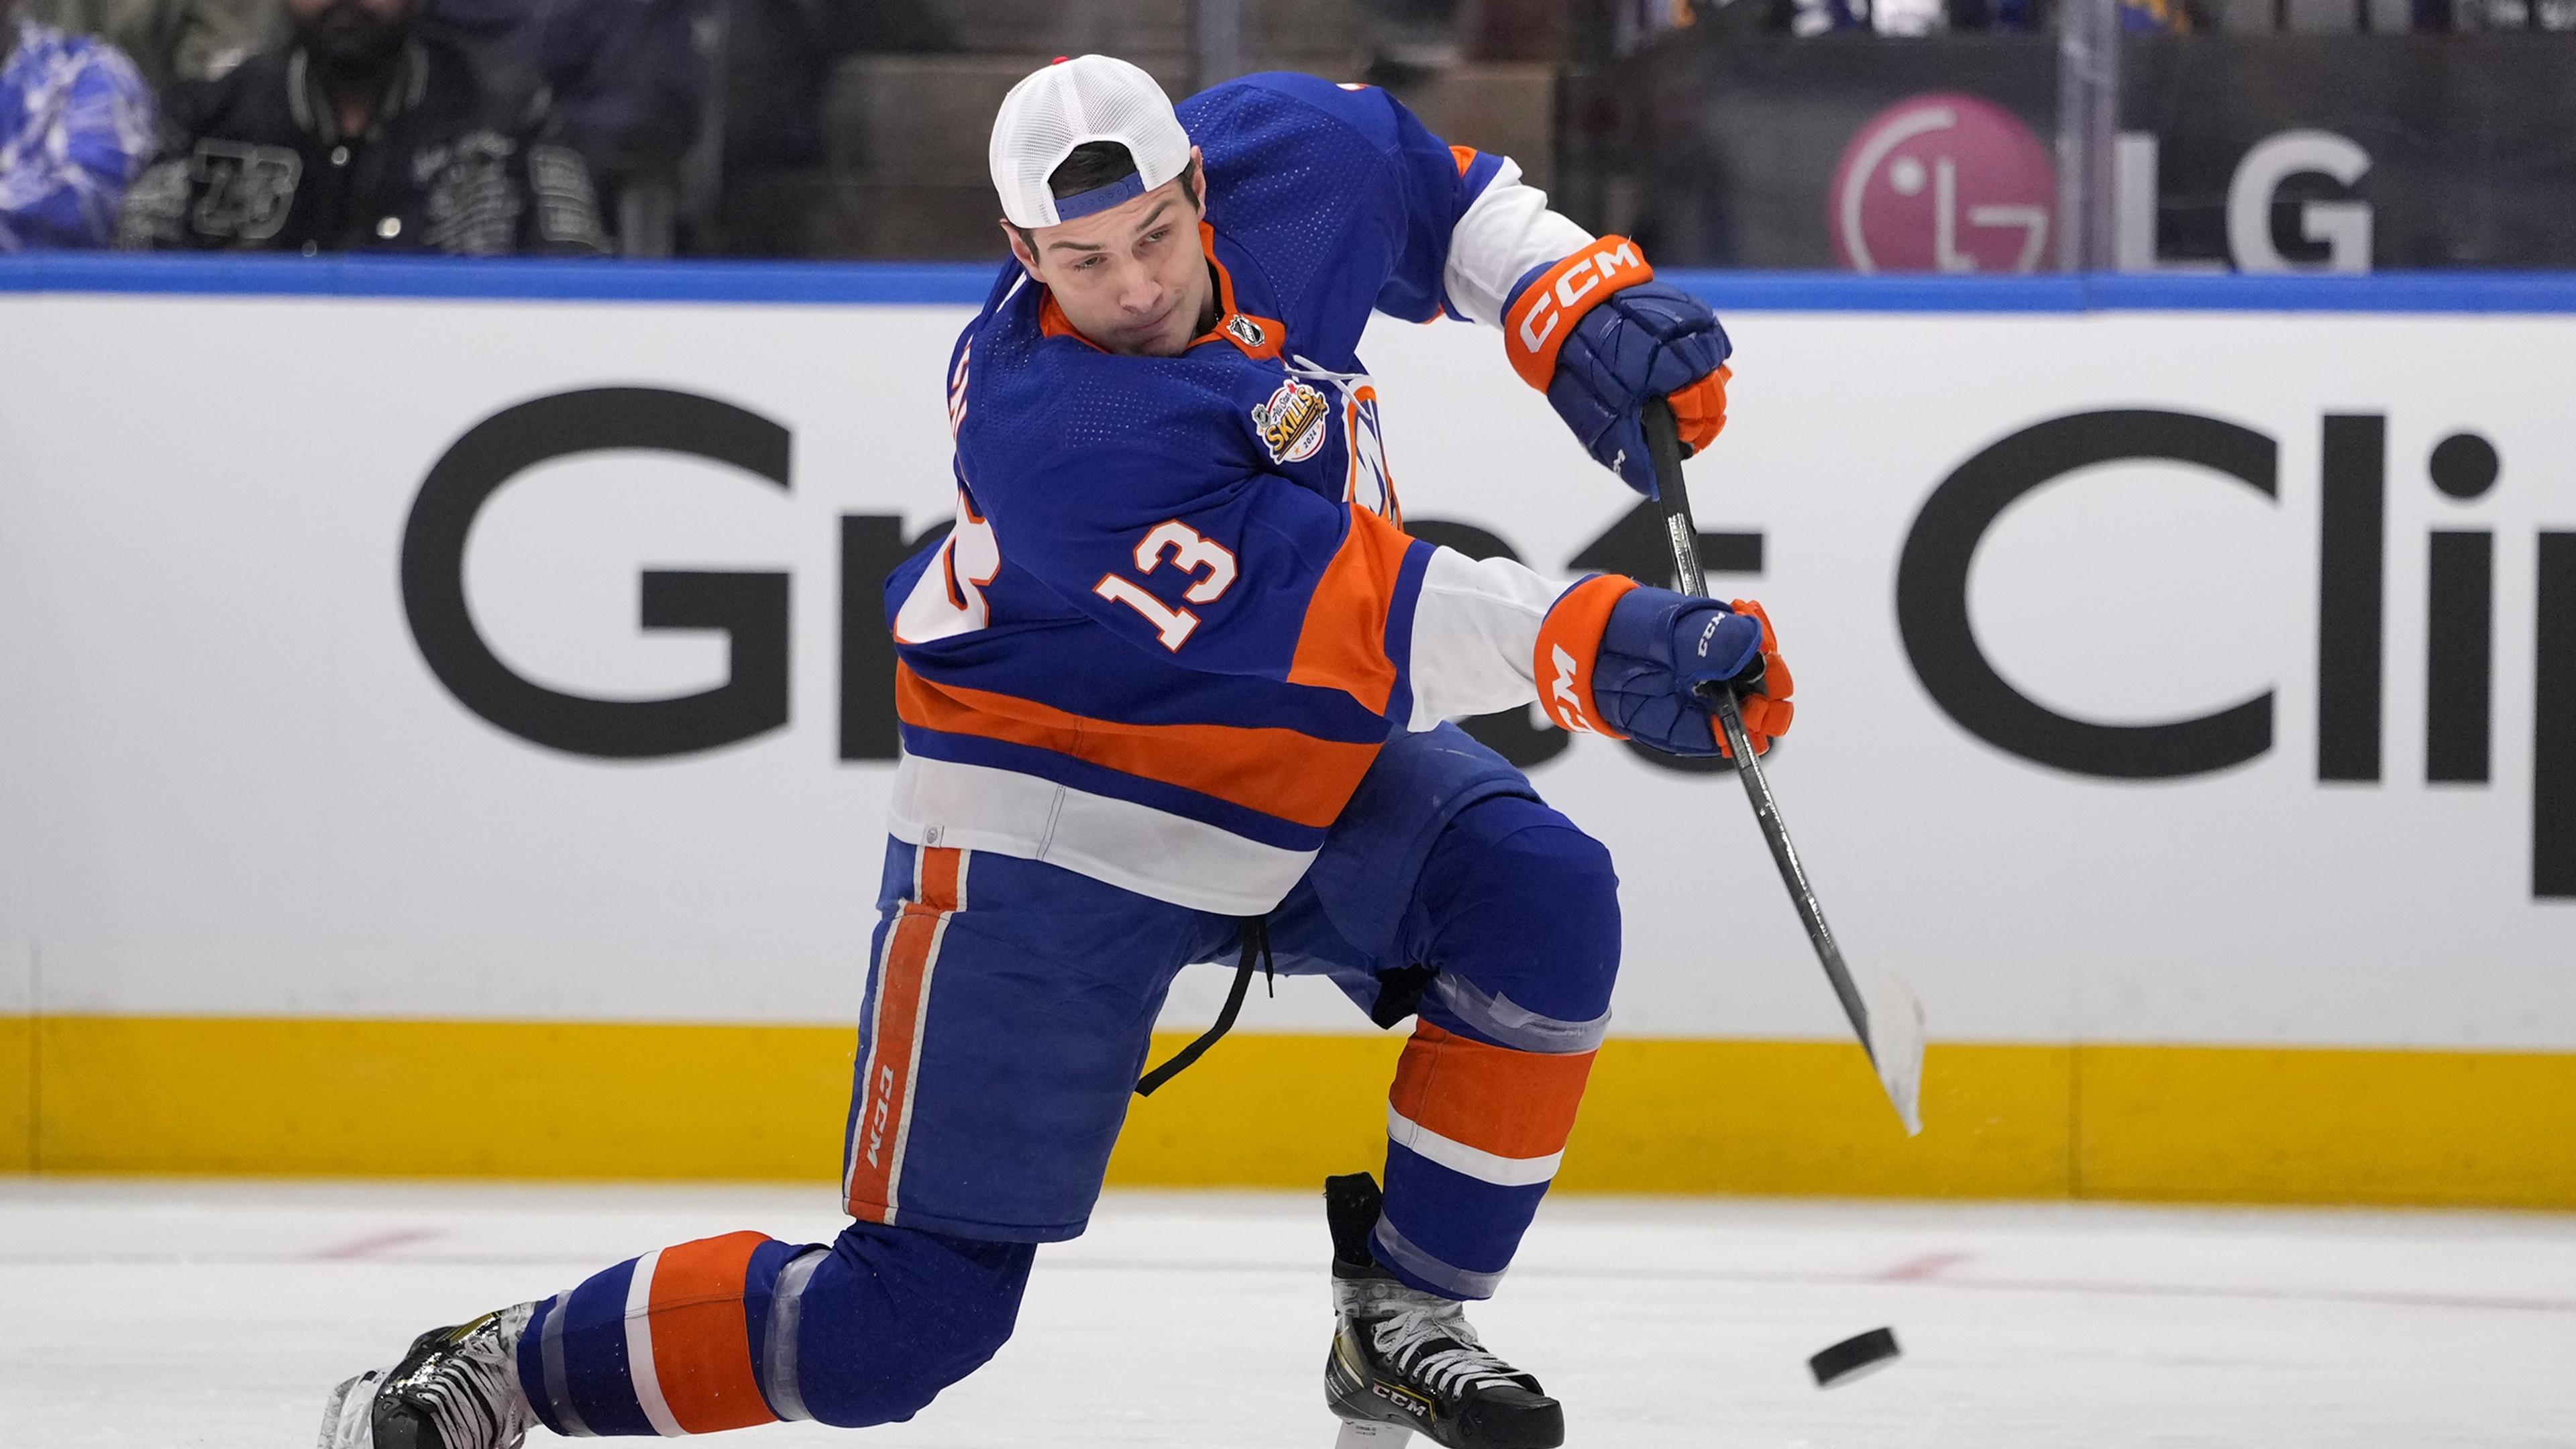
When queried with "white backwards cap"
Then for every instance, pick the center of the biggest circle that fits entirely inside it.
(1088, 98)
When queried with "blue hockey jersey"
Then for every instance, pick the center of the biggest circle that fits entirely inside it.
(1178, 614)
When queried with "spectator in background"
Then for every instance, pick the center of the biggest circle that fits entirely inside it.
(364, 133)
(1409, 41)
(778, 57)
(75, 127)
(630, 80)
(171, 41)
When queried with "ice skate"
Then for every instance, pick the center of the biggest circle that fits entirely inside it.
(454, 1389)
(1406, 1360)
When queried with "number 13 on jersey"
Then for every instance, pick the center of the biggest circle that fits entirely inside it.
(1177, 545)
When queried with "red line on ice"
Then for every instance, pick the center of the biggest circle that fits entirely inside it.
(369, 1247)
(1915, 1270)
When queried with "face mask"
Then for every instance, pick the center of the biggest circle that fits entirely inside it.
(349, 40)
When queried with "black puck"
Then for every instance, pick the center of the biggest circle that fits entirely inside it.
(1854, 1357)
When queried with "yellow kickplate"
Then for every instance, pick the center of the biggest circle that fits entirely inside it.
(17, 1093)
(605, 1100)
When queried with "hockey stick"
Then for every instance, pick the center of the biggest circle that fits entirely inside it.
(1886, 1016)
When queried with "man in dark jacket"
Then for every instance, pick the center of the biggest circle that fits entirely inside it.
(364, 134)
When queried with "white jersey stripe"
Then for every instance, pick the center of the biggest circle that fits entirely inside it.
(1134, 847)
(639, 1347)
(1474, 1162)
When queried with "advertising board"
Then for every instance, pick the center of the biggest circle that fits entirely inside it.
(2166, 679)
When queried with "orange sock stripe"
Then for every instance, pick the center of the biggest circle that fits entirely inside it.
(701, 1344)
(1494, 1099)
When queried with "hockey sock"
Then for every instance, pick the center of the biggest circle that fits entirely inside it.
(728, 1332)
(1519, 911)
(659, 1344)
(1474, 1134)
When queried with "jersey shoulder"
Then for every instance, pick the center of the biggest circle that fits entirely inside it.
(1278, 112)
(1320, 185)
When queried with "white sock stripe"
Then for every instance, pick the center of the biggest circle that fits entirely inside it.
(786, 1313)
(1475, 1162)
(912, 1068)
(639, 1347)
(1397, 1251)
(550, 1350)
(1515, 1025)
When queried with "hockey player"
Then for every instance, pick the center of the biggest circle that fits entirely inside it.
(1173, 688)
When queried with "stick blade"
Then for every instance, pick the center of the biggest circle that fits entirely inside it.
(1896, 1042)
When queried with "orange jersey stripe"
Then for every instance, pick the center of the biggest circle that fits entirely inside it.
(1343, 642)
(1280, 772)
(1494, 1099)
(701, 1345)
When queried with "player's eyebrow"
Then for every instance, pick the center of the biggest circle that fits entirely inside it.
(1152, 219)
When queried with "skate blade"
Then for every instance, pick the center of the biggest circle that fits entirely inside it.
(1368, 1434)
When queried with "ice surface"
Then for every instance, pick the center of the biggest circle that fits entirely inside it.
(215, 1313)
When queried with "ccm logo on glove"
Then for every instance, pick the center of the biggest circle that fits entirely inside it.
(1539, 319)
(1601, 337)
(1619, 659)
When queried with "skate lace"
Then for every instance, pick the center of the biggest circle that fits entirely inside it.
(1405, 1339)
(467, 1392)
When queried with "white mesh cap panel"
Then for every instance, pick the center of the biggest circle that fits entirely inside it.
(1088, 98)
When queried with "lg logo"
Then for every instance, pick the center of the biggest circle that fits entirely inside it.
(1944, 183)
(1932, 614)
(2341, 227)
(1949, 182)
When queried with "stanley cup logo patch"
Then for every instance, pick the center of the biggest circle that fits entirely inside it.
(1292, 422)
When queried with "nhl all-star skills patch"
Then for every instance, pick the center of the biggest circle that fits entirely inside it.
(1292, 422)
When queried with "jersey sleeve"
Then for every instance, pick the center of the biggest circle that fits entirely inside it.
(1457, 226)
(1257, 576)
(1506, 230)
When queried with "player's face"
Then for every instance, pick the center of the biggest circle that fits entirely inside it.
(1133, 278)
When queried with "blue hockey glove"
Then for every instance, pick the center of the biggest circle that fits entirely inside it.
(1620, 659)
(1600, 336)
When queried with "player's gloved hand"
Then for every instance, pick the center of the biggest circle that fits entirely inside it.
(1627, 661)
(1599, 335)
